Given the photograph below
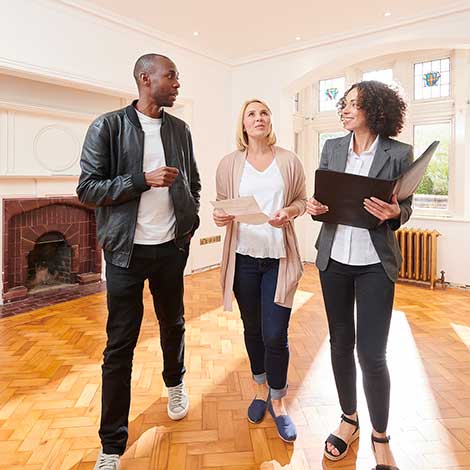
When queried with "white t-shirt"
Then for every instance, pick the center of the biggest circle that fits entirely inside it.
(267, 187)
(353, 245)
(156, 218)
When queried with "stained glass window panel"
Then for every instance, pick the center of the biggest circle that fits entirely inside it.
(432, 79)
(330, 91)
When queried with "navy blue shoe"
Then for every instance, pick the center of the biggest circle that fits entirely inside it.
(285, 426)
(257, 410)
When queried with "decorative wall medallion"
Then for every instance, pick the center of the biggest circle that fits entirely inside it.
(56, 148)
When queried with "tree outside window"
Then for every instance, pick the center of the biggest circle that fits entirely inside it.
(433, 191)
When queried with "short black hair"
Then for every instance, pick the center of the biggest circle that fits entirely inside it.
(146, 63)
(383, 106)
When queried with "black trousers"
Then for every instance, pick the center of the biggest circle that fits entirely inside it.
(372, 291)
(163, 265)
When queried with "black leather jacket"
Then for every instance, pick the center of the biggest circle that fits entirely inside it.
(112, 179)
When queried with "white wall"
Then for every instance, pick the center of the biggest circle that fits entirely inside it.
(276, 79)
(49, 41)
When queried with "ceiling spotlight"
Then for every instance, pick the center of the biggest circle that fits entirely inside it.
(387, 13)
(298, 38)
(196, 33)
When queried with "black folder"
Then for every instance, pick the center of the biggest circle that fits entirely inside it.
(344, 193)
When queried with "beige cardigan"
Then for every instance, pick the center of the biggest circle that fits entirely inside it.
(229, 173)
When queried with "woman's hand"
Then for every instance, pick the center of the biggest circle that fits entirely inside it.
(280, 218)
(381, 209)
(315, 207)
(221, 218)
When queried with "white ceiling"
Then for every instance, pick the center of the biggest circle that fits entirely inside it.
(242, 30)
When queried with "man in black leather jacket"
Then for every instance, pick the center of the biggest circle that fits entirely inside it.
(139, 172)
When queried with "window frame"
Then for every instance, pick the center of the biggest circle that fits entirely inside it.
(316, 93)
(451, 85)
(444, 213)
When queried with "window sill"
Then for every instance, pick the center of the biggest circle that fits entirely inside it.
(439, 218)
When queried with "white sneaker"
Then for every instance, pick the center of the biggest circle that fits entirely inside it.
(178, 403)
(107, 461)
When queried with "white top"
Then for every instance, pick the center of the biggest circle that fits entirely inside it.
(156, 218)
(267, 187)
(353, 245)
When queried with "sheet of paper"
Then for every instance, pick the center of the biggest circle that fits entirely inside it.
(411, 178)
(245, 209)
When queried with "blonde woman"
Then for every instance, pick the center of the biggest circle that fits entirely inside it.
(261, 263)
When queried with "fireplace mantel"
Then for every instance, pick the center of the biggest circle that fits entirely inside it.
(49, 177)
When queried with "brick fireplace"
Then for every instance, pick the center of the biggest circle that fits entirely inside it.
(47, 240)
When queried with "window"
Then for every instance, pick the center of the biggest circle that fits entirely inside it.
(324, 136)
(384, 75)
(432, 79)
(433, 191)
(330, 92)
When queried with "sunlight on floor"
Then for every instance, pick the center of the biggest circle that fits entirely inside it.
(463, 332)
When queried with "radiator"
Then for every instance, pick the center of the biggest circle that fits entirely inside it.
(419, 251)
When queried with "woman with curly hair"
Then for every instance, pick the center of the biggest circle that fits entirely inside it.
(358, 267)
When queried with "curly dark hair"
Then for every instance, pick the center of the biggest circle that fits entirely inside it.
(384, 108)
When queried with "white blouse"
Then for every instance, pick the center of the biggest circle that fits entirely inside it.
(267, 187)
(353, 245)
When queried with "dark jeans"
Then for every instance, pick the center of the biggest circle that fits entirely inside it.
(373, 292)
(265, 323)
(163, 265)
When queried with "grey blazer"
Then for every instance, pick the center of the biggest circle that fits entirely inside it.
(391, 160)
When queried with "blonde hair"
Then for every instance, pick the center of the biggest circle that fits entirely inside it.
(241, 136)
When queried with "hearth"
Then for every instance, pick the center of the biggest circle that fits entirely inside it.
(48, 242)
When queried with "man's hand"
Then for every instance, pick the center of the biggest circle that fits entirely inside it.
(381, 209)
(315, 207)
(161, 177)
(221, 218)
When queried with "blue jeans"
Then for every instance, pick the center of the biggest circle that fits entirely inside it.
(265, 323)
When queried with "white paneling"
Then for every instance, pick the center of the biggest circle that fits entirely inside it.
(3, 141)
(10, 141)
(46, 145)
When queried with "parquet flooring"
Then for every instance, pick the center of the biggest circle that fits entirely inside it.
(50, 387)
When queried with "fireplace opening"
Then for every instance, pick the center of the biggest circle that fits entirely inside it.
(49, 262)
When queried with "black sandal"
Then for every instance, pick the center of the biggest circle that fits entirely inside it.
(381, 440)
(341, 445)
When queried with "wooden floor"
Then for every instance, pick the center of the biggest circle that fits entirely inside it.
(50, 387)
